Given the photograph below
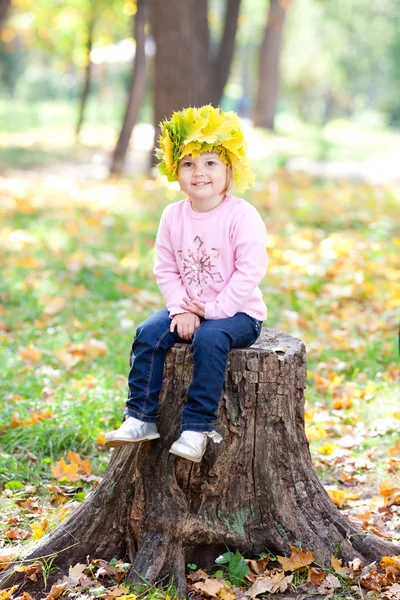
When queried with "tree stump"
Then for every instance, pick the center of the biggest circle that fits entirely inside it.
(255, 491)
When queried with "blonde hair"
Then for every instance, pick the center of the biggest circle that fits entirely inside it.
(229, 180)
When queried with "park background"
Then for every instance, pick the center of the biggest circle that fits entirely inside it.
(83, 86)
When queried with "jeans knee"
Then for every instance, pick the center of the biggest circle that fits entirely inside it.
(206, 339)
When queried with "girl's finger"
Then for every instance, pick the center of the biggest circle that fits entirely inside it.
(172, 326)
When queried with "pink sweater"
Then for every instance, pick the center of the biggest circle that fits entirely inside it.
(217, 257)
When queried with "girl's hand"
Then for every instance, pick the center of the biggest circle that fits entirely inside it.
(186, 324)
(194, 306)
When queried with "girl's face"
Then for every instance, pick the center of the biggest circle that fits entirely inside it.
(203, 179)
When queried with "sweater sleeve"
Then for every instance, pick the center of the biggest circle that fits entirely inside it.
(249, 241)
(166, 269)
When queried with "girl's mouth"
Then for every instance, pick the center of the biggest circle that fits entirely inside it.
(201, 183)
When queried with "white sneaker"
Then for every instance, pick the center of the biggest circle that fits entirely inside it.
(130, 432)
(190, 445)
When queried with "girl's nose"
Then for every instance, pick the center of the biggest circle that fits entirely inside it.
(197, 170)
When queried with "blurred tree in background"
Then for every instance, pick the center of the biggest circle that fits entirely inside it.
(313, 60)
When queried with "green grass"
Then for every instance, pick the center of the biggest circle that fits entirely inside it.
(332, 280)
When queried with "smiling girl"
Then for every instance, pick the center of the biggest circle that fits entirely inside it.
(210, 259)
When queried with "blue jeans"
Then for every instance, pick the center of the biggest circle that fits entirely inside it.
(210, 346)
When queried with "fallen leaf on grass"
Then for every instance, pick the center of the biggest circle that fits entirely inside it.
(392, 593)
(76, 571)
(56, 591)
(76, 470)
(39, 528)
(296, 560)
(31, 504)
(337, 566)
(17, 534)
(7, 555)
(258, 566)
(209, 586)
(30, 354)
(31, 571)
(53, 306)
(390, 492)
(62, 470)
(315, 576)
(355, 567)
(275, 582)
(330, 583)
(226, 595)
(36, 417)
(72, 354)
(395, 450)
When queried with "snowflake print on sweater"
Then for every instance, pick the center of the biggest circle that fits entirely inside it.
(198, 267)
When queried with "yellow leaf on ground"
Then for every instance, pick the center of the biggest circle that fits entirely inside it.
(209, 586)
(337, 566)
(395, 450)
(56, 591)
(62, 470)
(340, 497)
(7, 555)
(327, 449)
(390, 561)
(39, 528)
(73, 471)
(390, 492)
(30, 354)
(296, 560)
(54, 305)
(226, 595)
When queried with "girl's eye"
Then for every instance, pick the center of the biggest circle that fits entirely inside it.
(187, 164)
(210, 163)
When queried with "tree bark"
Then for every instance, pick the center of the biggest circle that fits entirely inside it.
(268, 78)
(88, 72)
(182, 61)
(222, 63)
(256, 490)
(136, 90)
(4, 7)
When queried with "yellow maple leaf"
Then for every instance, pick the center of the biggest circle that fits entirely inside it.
(326, 449)
(296, 560)
(390, 561)
(62, 470)
(226, 595)
(30, 354)
(337, 565)
(340, 497)
(39, 528)
(395, 450)
(390, 492)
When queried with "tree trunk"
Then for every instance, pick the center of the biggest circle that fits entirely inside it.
(136, 90)
(4, 6)
(182, 62)
(255, 491)
(268, 77)
(88, 73)
(222, 63)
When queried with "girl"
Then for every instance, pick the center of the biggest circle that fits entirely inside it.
(211, 256)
